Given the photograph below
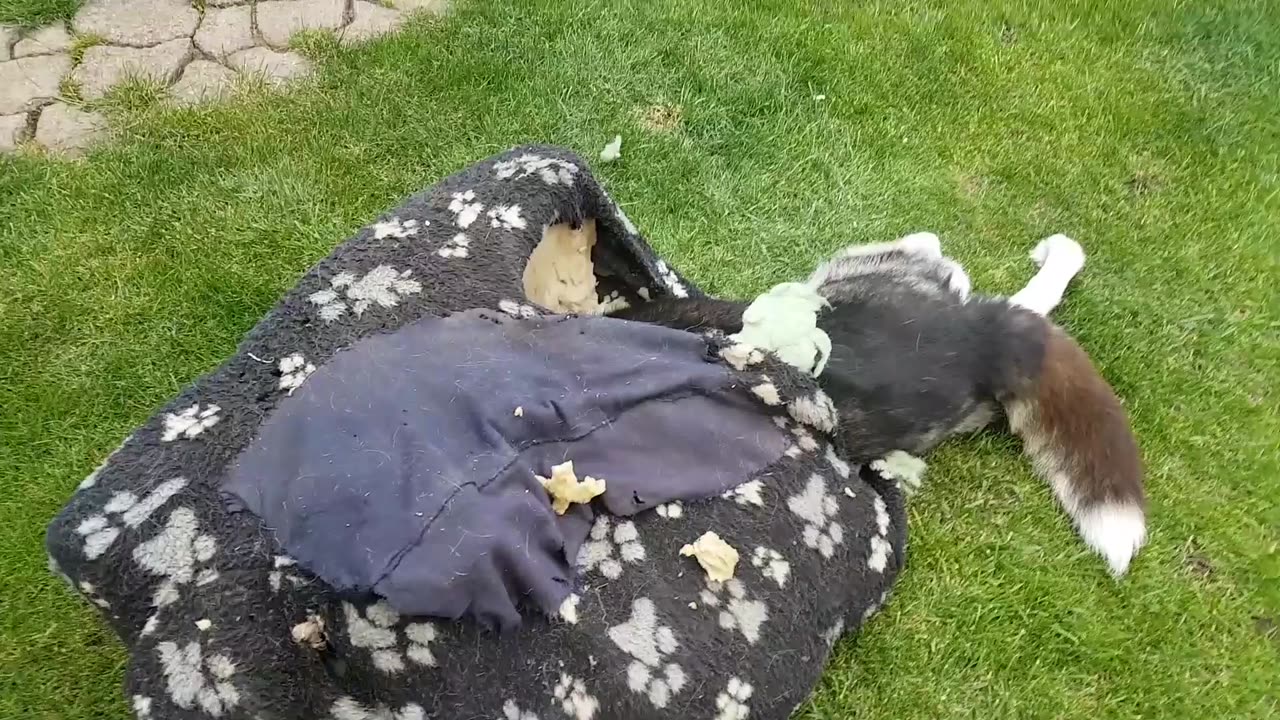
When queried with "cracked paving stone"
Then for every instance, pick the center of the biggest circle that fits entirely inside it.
(278, 67)
(278, 20)
(47, 41)
(370, 21)
(140, 23)
(7, 36)
(202, 81)
(105, 66)
(25, 83)
(225, 31)
(69, 130)
(12, 128)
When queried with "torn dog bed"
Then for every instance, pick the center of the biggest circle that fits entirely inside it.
(345, 519)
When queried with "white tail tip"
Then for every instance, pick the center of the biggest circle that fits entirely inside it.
(1116, 532)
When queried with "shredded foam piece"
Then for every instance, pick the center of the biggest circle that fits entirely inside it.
(519, 411)
(310, 632)
(612, 151)
(559, 275)
(905, 468)
(715, 556)
(565, 489)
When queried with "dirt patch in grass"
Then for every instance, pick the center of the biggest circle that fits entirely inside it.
(661, 118)
(1196, 561)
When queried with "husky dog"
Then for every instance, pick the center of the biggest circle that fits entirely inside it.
(916, 358)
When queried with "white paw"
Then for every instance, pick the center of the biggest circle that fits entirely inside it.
(924, 243)
(1059, 251)
(1116, 532)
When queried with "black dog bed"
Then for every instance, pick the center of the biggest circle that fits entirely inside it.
(344, 520)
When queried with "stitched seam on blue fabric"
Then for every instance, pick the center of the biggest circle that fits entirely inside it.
(394, 563)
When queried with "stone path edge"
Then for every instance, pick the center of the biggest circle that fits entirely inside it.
(197, 50)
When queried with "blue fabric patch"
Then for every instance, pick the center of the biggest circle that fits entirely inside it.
(399, 467)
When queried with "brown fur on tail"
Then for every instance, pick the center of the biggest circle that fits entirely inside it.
(1078, 436)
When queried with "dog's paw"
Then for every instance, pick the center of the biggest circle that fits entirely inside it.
(922, 243)
(1059, 251)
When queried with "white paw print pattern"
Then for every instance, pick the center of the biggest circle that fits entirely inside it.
(178, 553)
(771, 564)
(517, 310)
(650, 645)
(818, 508)
(816, 411)
(804, 442)
(194, 680)
(458, 247)
(190, 422)
(90, 593)
(598, 553)
(731, 704)
(878, 558)
(569, 608)
(465, 209)
(748, 493)
(571, 694)
(294, 370)
(348, 708)
(767, 391)
(627, 225)
(375, 632)
(512, 711)
(741, 355)
(671, 511)
(552, 171)
(611, 303)
(507, 217)
(397, 228)
(837, 463)
(739, 612)
(277, 576)
(669, 279)
(100, 531)
(383, 286)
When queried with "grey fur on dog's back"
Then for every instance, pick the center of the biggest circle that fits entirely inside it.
(205, 602)
(916, 358)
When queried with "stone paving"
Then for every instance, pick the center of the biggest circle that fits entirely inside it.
(197, 54)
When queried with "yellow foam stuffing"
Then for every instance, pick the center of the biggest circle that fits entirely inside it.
(715, 556)
(559, 275)
(565, 489)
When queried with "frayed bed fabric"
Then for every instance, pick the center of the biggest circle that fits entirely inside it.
(206, 542)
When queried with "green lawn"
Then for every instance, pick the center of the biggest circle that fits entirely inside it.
(36, 13)
(1147, 130)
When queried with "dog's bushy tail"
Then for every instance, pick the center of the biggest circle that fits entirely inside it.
(1077, 435)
